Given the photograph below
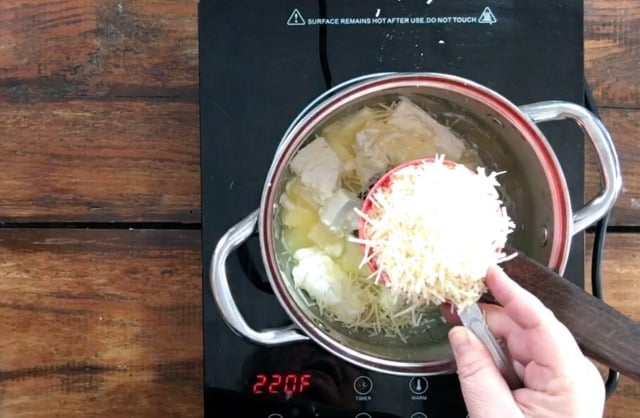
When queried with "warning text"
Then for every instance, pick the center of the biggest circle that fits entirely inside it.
(486, 17)
(417, 20)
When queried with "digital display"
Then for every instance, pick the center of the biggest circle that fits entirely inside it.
(278, 384)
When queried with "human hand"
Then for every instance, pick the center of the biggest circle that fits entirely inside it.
(559, 381)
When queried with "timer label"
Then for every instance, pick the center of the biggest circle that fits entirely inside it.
(363, 386)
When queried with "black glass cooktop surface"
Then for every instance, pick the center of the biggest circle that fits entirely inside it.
(261, 63)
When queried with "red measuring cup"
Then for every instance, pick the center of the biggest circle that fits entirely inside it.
(383, 183)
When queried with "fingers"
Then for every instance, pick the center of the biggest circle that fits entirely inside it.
(559, 381)
(532, 331)
(583, 397)
(499, 322)
(524, 308)
(505, 328)
(485, 392)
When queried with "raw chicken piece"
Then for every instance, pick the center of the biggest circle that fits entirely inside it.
(409, 116)
(319, 168)
(371, 159)
(338, 212)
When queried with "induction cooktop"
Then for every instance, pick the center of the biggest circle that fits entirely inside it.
(261, 63)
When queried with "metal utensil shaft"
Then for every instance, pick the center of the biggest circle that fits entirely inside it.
(472, 317)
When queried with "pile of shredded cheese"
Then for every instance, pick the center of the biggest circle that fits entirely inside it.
(381, 313)
(434, 231)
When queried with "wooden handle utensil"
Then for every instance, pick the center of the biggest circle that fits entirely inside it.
(603, 333)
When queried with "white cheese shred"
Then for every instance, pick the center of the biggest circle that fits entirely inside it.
(434, 231)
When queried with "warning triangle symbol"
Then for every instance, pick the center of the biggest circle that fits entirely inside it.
(296, 19)
(487, 16)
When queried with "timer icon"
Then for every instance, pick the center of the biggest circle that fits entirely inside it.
(362, 385)
(418, 385)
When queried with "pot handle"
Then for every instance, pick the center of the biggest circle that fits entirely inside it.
(219, 281)
(606, 154)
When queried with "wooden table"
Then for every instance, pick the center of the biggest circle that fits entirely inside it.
(100, 271)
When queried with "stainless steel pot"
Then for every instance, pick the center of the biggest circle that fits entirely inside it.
(507, 139)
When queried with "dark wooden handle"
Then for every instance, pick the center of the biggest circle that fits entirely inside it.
(603, 333)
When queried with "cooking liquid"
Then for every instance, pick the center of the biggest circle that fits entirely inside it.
(368, 143)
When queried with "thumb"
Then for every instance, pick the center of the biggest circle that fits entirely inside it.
(485, 392)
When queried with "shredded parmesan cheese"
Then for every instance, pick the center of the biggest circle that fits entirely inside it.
(434, 230)
(352, 299)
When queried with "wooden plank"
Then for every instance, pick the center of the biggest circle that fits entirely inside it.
(624, 126)
(124, 144)
(106, 48)
(150, 154)
(109, 49)
(621, 290)
(100, 161)
(612, 51)
(108, 323)
(147, 50)
(612, 54)
(100, 323)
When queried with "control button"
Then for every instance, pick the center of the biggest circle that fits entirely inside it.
(419, 415)
(362, 385)
(418, 385)
(363, 415)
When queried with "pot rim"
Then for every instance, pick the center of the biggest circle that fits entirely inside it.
(561, 204)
